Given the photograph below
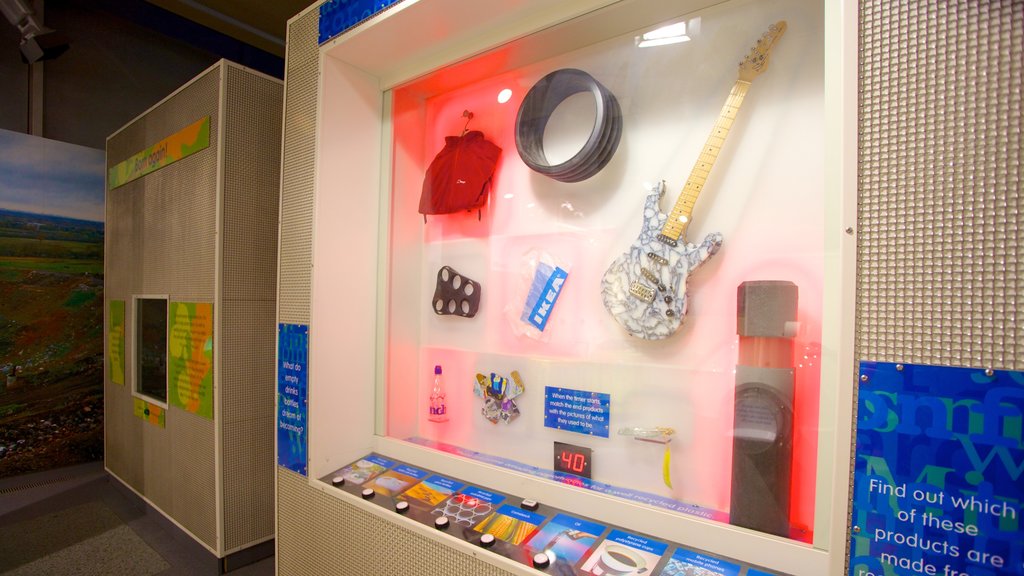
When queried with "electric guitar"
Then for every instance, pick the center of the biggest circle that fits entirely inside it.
(645, 288)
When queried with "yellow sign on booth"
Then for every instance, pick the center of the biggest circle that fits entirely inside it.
(185, 142)
(190, 357)
(150, 412)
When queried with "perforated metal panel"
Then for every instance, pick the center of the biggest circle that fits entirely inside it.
(190, 474)
(119, 440)
(247, 364)
(122, 434)
(321, 534)
(252, 180)
(940, 273)
(247, 421)
(248, 459)
(174, 217)
(249, 227)
(298, 170)
(118, 233)
(157, 462)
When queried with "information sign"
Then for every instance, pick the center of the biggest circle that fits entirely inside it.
(937, 480)
(687, 562)
(337, 16)
(190, 357)
(577, 411)
(115, 344)
(624, 553)
(292, 355)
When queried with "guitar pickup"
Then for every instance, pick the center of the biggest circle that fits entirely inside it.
(667, 240)
(641, 292)
(659, 260)
(652, 278)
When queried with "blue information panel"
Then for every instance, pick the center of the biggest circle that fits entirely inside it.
(511, 524)
(624, 553)
(337, 16)
(577, 411)
(483, 495)
(686, 562)
(444, 485)
(566, 537)
(937, 478)
(292, 355)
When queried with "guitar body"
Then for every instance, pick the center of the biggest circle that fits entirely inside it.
(644, 289)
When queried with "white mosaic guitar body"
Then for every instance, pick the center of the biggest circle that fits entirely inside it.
(644, 289)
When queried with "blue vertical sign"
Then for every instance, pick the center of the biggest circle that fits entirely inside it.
(292, 424)
(337, 16)
(938, 487)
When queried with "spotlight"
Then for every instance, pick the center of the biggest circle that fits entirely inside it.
(45, 46)
(37, 42)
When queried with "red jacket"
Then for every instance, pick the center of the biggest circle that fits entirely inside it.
(459, 177)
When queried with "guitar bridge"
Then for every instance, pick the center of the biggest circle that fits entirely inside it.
(667, 240)
(641, 292)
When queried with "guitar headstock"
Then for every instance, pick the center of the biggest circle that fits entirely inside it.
(756, 61)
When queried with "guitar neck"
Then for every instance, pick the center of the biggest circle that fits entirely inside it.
(679, 219)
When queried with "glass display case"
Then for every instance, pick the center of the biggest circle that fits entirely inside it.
(603, 269)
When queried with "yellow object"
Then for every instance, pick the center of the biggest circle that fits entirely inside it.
(666, 467)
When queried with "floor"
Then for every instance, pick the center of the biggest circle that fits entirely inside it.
(78, 520)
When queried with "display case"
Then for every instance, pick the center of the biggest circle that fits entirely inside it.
(591, 255)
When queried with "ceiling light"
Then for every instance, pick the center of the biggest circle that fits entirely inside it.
(671, 34)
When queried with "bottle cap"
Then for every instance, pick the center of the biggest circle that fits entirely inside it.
(437, 369)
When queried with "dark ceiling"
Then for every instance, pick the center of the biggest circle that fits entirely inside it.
(259, 23)
(126, 55)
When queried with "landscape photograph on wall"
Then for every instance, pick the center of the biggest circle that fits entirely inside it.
(51, 304)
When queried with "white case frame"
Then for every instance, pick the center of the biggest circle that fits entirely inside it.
(347, 340)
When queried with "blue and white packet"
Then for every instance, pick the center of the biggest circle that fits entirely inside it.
(541, 281)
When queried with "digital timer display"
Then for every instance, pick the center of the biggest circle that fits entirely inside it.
(573, 459)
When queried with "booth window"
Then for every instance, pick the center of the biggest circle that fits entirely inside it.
(151, 348)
